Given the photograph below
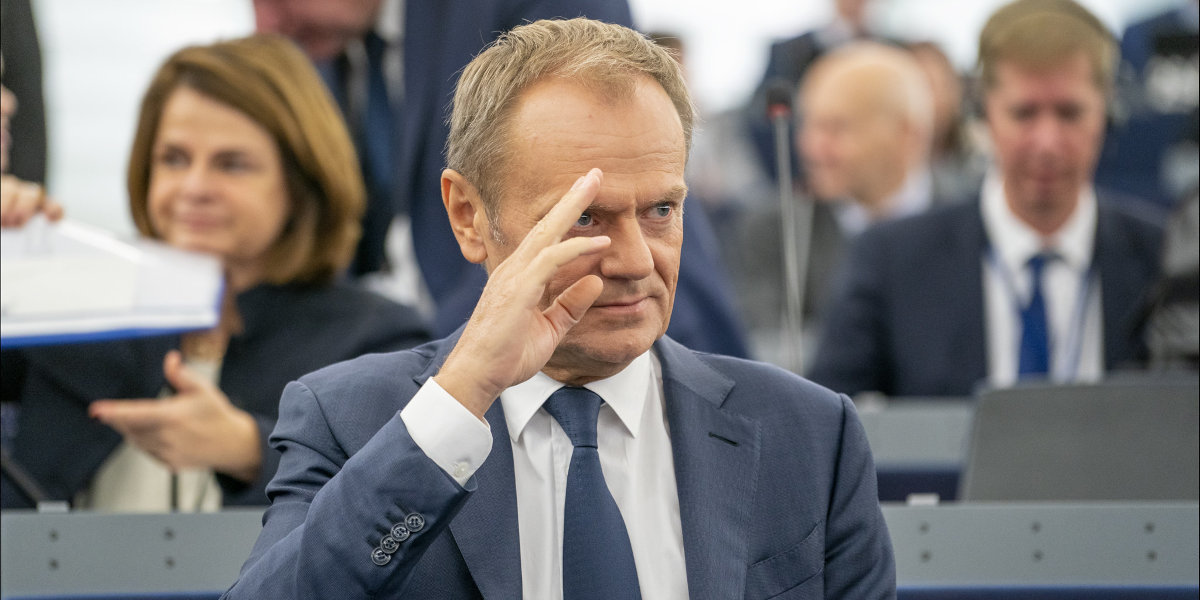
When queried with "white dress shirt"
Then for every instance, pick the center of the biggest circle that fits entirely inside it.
(914, 195)
(1070, 286)
(635, 454)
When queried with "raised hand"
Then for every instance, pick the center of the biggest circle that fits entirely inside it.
(509, 337)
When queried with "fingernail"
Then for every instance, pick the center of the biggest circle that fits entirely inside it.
(579, 182)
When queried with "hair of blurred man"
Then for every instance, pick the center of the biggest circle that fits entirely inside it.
(606, 59)
(268, 78)
(866, 122)
(1042, 34)
(947, 89)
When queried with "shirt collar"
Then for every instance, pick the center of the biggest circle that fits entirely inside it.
(389, 26)
(625, 392)
(1015, 242)
(913, 196)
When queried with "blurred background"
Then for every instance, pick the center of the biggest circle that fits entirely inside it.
(98, 61)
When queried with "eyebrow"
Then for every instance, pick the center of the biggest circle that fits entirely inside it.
(675, 196)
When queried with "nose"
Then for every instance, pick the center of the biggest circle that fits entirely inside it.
(1045, 135)
(196, 183)
(628, 256)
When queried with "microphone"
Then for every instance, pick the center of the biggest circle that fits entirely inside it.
(779, 100)
(797, 226)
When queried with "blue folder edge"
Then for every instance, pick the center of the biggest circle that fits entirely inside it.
(14, 342)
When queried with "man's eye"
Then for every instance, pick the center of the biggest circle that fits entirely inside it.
(662, 210)
(584, 220)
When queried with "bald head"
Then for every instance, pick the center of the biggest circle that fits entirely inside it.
(867, 122)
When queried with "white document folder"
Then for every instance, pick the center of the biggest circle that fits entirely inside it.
(69, 282)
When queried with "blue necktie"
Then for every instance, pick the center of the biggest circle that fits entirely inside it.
(597, 556)
(1035, 342)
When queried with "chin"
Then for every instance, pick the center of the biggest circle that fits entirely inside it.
(615, 347)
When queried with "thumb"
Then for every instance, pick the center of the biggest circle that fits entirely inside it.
(179, 376)
(573, 302)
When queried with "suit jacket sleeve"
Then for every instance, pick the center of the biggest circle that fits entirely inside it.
(850, 355)
(330, 511)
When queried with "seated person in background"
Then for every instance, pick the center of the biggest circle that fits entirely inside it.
(957, 159)
(651, 470)
(239, 152)
(864, 138)
(1035, 280)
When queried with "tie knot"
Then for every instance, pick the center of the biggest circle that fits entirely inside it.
(576, 410)
(1039, 260)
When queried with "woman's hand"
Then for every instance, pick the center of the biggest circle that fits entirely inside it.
(197, 427)
(21, 200)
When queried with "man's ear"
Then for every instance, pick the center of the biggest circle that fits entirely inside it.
(464, 207)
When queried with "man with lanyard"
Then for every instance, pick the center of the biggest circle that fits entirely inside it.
(1038, 280)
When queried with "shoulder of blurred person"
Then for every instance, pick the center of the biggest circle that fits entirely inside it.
(906, 303)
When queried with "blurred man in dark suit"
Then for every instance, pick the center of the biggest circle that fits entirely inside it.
(1038, 279)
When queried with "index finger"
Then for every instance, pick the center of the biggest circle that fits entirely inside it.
(128, 414)
(552, 227)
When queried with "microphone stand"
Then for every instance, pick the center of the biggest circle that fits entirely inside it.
(797, 230)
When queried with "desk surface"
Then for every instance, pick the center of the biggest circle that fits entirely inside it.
(949, 545)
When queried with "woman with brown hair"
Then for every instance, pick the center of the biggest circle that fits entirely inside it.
(240, 153)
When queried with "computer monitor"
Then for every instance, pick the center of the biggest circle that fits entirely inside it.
(1123, 440)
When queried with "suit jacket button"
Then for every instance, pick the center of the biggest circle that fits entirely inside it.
(389, 544)
(400, 532)
(379, 557)
(415, 522)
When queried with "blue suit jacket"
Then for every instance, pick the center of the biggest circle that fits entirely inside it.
(907, 318)
(775, 480)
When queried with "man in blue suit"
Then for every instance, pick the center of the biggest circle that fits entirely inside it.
(427, 44)
(1037, 279)
(616, 463)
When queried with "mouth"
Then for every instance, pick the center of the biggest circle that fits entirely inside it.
(197, 221)
(622, 305)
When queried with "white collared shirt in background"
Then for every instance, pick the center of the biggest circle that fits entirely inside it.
(914, 195)
(635, 454)
(1076, 338)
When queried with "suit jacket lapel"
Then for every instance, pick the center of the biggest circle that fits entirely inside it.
(716, 456)
(485, 529)
(1126, 269)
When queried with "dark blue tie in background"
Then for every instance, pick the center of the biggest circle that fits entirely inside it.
(1035, 342)
(597, 556)
(361, 90)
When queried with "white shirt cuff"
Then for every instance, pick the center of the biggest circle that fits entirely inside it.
(447, 432)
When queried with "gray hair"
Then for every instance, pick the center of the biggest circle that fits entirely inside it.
(604, 57)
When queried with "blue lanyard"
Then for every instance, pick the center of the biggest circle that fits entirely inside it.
(1069, 370)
